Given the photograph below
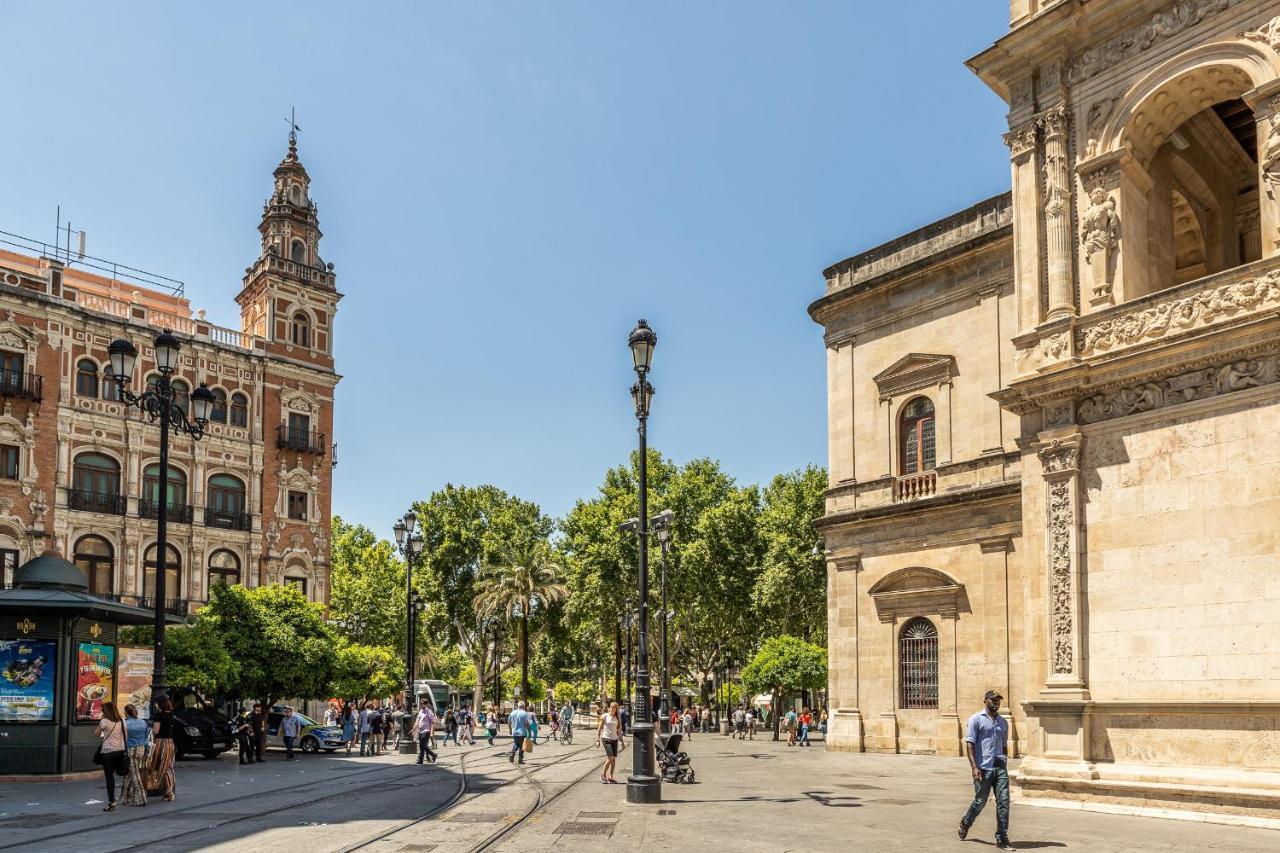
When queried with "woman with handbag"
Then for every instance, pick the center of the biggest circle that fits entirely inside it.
(160, 775)
(137, 735)
(110, 753)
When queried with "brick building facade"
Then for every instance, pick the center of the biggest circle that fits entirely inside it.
(250, 502)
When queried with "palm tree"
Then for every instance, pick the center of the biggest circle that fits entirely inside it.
(521, 579)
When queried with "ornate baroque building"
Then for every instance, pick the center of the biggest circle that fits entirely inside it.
(1053, 425)
(249, 503)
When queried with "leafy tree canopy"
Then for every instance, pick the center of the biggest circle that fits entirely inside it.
(366, 672)
(786, 665)
(791, 591)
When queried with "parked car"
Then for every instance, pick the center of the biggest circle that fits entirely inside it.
(201, 728)
(313, 737)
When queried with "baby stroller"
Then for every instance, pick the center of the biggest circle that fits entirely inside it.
(673, 763)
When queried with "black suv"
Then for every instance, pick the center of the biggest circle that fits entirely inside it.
(200, 727)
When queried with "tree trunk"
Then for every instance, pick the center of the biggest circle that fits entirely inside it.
(776, 710)
(524, 657)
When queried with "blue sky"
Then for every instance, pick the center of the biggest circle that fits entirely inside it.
(504, 189)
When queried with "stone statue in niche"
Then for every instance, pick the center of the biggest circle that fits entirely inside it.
(1101, 237)
(1269, 151)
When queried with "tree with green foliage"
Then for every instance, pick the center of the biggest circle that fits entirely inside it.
(566, 691)
(278, 639)
(521, 581)
(783, 666)
(511, 685)
(366, 672)
(790, 593)
(367, 580)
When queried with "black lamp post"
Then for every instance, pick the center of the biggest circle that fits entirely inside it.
(354, 626)
(661, 524)
(157, 402)
(410, 544)
(643, 785)
(497, 665)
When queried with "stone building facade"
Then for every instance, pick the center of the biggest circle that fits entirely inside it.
(250, 502)
(1053, 420)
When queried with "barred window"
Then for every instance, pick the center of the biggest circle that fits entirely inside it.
(918, 662)
(916, 428)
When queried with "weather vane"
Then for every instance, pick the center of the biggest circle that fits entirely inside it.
(293, 128)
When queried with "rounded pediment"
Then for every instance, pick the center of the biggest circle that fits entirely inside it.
(913, 579)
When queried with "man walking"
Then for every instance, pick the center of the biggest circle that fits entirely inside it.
(519, 723)
(258, 731)
(739, 723)
(244, 736)
(365, 729)
(424, 728)
(986, 742)
(290, 728)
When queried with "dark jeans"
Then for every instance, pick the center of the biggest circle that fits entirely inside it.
(246, 749)
(288, 747)
(260, 746)
(113, 763)
(493, 733)
(998, 778)
(424, 747)
(453, 733)
(517, 747)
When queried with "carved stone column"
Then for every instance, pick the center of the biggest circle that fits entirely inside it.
(1267, 114)
(1060, 458)
(1057, 211)
(1021, 140)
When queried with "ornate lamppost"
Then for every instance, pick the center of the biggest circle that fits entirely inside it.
(643, 785)
(158, 403)
(410, 544)
(661, 524)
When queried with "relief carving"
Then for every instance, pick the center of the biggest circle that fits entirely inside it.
(1094, 122)
(1021, 140)
(1061, 615)
(1268, 34)
(1173, 20)
(1200, 309)
(1100, 236)
(1235, 375)
(1269, 149)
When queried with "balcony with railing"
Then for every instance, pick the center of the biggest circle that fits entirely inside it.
(913, 486)
(176, 606)
(227, 520)
(303, 441)
(178, 513)
(25, 386)
(87, 500)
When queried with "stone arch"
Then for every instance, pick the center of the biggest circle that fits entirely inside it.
(918, 591)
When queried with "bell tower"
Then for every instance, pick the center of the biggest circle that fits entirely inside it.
(289, 295)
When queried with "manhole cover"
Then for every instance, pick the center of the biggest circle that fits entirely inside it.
(36, 821)
(478, 817)
(853, 787)
(578, 827)
(418, 848)
(664, 812)
(601, 815)
(893, 802)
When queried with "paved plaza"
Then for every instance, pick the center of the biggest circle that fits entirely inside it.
(752, 795)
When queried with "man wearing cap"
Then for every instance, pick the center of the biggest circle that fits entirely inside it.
(986, 742)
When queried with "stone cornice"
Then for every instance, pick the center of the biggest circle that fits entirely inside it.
(936, 503)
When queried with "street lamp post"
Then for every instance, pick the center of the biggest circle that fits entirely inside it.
(662, 527)
(643, 785)
(158, 403)
(410, 544)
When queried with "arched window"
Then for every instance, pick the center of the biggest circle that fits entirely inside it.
(295, 195)
(300, 330)
(86, 378)
(95, 484)
(226, 508)
(918, 664)
(93, 555)
(224, 568)
(182, 395)
(175, 492)
(239, 410)
(917, 436)
(298, 251)
(172, 574)
(218, 411)
(110, 388)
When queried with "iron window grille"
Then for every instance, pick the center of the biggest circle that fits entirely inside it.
(918, 664)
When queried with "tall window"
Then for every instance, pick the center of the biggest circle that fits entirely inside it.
(181, 395)
(93, 555)
(299, 429)
(218, 411)
(300, 330)
(86, 379)
(918, 664)
(917, 439)
(8, 566)
(9, 456)
(94, 473)
(298, 506)
(226, 494)
(110, 387)
(12, 366)
(175, 492)
(298, 251)
(239, 410)
(172, 573)
(224, 568)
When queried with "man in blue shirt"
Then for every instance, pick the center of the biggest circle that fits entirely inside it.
(986, 742)
(519, 723)
(424, 727)
(290, 727)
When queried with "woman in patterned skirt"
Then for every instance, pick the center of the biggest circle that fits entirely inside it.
(160, 775)
(137, 733)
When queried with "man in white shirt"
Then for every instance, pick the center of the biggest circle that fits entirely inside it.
(424, 729)
(740, 723)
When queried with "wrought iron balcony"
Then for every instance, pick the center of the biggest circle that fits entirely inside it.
(87, 500)
(179, 513)
(176, 606)
(227, 520)
(27, 386)
(303, 441)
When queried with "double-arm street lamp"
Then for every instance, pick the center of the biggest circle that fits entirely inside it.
(158, 403)
(353, 626)
(410, 544)
(643, 785)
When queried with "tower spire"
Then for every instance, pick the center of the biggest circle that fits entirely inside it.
(293, 134)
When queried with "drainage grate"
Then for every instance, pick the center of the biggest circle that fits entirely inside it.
(664, 812)
(893, 802)
(600, 815)
(36, 821)
(578, 827)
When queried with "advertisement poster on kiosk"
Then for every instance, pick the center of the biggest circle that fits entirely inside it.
(133, 678)
(27, 679)
(94, 665)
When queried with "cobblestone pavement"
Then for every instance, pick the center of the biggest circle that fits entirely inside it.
(750, 796)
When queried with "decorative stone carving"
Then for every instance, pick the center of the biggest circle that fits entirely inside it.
(273, 535)
(1021, 140)
(1269, 149)
(1058, 456)
(1235, 375)
(1268, 34)
(1095, 120)
(1100, 235)
(1190, 312)
(1061, 519)
(39, 505)
(1169, 22)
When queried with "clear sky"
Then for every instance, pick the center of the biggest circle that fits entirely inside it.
(504, 189)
